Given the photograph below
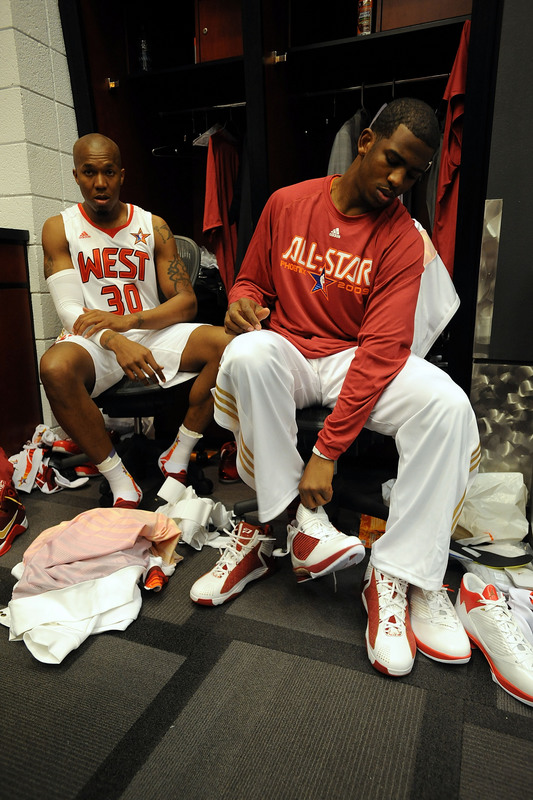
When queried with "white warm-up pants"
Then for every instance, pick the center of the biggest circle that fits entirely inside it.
(263, 379)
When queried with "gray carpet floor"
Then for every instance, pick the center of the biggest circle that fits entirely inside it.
(268, 696)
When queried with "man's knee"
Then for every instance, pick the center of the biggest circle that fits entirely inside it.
(449, 404)
(205, 345)
(61, 367)
(251, 351)
(52, 367)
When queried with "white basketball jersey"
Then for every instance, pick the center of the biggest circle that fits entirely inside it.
(116, 266)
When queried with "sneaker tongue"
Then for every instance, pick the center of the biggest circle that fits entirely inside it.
(244, 534)
(393, 630)
(490, 593)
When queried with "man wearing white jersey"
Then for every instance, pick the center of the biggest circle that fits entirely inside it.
(104, 261)
(326, 309)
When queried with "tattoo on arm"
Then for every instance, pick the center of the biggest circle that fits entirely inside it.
(164, 232)
(104, 341)
(178, 274)
(140, 320)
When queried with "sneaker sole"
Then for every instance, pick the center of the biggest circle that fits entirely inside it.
(498, 678)
(263, 572)
(352, 556)
(442, 658)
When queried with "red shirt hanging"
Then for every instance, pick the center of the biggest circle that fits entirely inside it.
(221, 174)
(445, 223)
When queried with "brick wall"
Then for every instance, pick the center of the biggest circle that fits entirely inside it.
(36, 136)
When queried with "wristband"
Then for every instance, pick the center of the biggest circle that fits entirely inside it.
(317, 452)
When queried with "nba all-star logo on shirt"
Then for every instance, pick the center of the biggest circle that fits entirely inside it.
(349, 271)
(140, 237)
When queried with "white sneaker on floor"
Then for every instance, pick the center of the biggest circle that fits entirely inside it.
(438, 631)
(246, 557)
(492, 627)
(317, 547)
(390, 642)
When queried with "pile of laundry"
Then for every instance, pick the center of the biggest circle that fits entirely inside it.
(84, 576)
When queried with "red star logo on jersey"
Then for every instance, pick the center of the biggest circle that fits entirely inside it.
(140, 237)
(321, 282)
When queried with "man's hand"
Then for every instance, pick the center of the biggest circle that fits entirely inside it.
(315, 486)
(244, 315)
(93, 320)
(135, 359)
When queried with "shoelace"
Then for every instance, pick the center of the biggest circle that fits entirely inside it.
(320, 529)
(392, 594)
(507, 625)
(439, 606)
(233, 551)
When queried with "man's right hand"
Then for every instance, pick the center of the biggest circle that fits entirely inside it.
(135, 359)
(244, 315)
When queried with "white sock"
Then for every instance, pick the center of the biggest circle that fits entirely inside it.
(120, 481)
(178, 455)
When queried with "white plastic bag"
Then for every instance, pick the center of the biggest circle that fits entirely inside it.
(495, 508)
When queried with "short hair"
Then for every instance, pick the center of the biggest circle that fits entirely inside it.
(415, 114)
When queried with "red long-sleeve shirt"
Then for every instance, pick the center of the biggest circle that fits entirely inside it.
(334, 281)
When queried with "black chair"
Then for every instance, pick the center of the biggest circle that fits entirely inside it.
(371, 460)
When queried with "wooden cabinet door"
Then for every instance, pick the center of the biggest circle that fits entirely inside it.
(20, 402)
(218, 29)
(400, 13)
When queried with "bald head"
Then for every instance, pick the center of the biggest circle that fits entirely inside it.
(99, 174)
(96, 144)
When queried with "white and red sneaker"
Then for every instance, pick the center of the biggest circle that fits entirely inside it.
(155, 579)
(13, 520)
(390, 642)
(246, 557)
(181, 476)
(492, 627)
(438, 631)
(317, 547)
(66, 446)
(163, 461)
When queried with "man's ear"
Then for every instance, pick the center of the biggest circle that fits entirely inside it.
(366, 141)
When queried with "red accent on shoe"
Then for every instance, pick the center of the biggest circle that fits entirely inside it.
(121, 503)
(303, 546)
(87, 470)
(246, 557)
(155, 579)
(66, 446)
(227, 469)
(180, 476)
(382, 645)
(13, 520)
